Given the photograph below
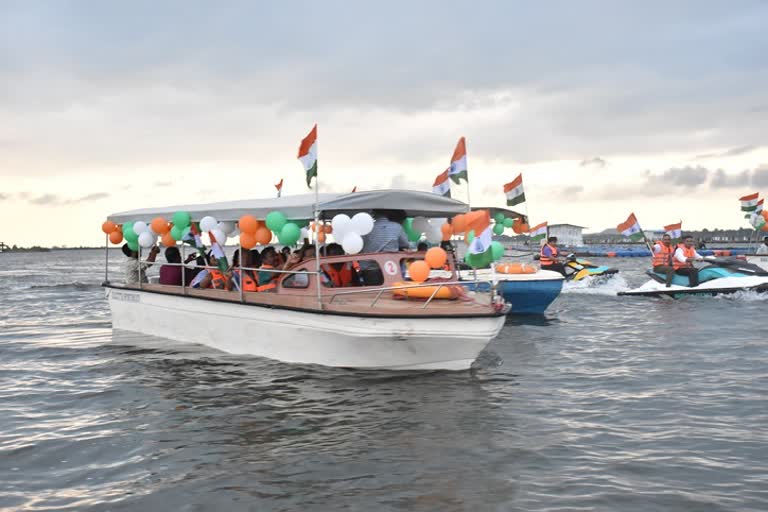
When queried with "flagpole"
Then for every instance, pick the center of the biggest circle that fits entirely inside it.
(317, 241)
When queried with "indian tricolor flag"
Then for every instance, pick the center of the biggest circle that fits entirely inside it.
(757, 220)
(279, 187)
(631, 228)
(514, 191)
(759, 207)
(479, 221)
(442, 185)
(538, 232)
(674, 230)
(216, 250)
(308, 155)
(458, 169)
(749, 203)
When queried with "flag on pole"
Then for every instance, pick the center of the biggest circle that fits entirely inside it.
(514, 191)
(674, 230)
(749, 203)
(757, 221)
(538, 232)
(193, 238)
(216, 250)
(354, 189)
(458, 169)
(759, 207)
(442, 185)
(279, 187)
(308, 155)
(631, 228)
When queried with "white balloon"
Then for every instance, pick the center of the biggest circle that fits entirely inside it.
(341, 225)
(140, 227)
(147, 239)
(352, 243)
(434, 235)
(208, 223)
(221, 238)
(420, 224)
(227, 227)
(304, 234)
(362, 223)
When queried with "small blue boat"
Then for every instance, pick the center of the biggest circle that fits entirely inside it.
(526, 293)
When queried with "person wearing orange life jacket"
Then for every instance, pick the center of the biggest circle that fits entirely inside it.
(685, 255)
(340, 275)
(242, 277)
(662, 258)
(216, 279)
(549, 256)
(267, 281)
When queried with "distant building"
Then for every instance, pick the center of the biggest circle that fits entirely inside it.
(568, 235)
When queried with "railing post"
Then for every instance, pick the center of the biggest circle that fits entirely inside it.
(184, 269)
(106, 259)
(241, 269)
(139, 265)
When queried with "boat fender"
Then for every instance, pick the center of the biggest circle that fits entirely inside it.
(515, 268)
(424, 292)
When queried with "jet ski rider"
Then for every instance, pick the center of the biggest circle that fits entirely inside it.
(684, 257)
(662, 258)
(548, 257)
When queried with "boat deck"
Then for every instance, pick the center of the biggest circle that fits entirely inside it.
(363, 301)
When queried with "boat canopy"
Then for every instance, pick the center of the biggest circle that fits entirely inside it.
(302, 207)
(412, 202)
(298, 207)
(493, 210)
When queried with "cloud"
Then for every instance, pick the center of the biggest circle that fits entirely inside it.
(163, 183)
(55, 200)
(596, 162)
(4, 197)
(741, 150)
(571, 191)
(45, 199)
(684, 177)
(92, 197)
(720, 179)
(760, 177)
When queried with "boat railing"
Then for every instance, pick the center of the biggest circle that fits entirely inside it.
(437, 285)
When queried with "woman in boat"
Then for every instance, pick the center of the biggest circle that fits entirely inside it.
(136, 271)
(172, 274)
(269, 261)
(215, 278)
(243, 277)
(339, 275)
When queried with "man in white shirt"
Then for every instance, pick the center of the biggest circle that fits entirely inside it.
(684, 257)
(763, 249)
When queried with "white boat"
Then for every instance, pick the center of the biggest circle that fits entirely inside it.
(761, 260)
(359, 327)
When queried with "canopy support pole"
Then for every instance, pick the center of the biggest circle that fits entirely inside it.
(106, 259)
(317, 241)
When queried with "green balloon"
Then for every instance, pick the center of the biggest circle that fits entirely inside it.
(290, 234)
(470, 236)
(276, 221)
(181, 219)
(497, 251)
(498, 229)
(301, 223)
(185, 232)
(509, 222)
(133, 245)
(129, 234)
(177, 233)
(475, 260)
(499, 218)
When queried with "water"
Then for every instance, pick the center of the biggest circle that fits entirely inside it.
(607, 403)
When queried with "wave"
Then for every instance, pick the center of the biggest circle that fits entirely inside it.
(597, 285)
(76, 285)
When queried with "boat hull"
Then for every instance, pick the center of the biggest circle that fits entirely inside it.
(761, 260)
(305, 337)
(722, 286)
(526, 293)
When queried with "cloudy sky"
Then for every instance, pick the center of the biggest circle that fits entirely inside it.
(605, 107)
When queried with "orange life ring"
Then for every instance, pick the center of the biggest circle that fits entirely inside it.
(424, 292)
(515, 268)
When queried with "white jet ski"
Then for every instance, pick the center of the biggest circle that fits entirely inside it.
(721, 276)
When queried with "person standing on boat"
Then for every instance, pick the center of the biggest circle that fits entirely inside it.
(763, 249)
(662, 258)
(135, 271)
(387, 235)
(549, 256)
(684, 257)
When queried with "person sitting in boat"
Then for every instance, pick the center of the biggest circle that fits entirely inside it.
(173, 274)
(216, 279)
(242, 275)
(339, 275)
(136, 271)
(387, 235)
(422, 247)
(269, 261)
(549, 256)
(684, 257)
(763, 249)
(662, 258)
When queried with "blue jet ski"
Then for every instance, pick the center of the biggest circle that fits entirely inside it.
(578, 269)
(720, 276)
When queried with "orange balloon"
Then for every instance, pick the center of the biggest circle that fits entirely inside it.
(419, 271)
(447, 231)
(167, 239)
(116, 236)
(248, 224)
(247, 240)
(764, 228)
(459, 224)
(108, 227)
(764, 213)
(263, 235)
(436, 257)
(321, 237)
(160, 226)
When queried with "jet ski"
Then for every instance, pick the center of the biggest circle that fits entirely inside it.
(720, 276)
(577, 269)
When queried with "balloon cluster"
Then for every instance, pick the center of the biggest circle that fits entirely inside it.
(431, 229)
(253, 232)
(350, 231)
(114, 231)
(435, 257)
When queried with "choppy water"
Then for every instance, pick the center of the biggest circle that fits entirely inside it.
(606, 403)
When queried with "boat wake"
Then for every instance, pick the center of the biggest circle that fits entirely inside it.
(597, 285)
(744, 296)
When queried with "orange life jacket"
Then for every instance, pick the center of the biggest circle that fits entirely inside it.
(688, 253)
(339, 278)
(219, 280)
(548, 260)
(664, 256)
(271, 285)
(247, 283)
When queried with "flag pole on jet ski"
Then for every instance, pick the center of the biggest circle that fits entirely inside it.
(632, 230)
